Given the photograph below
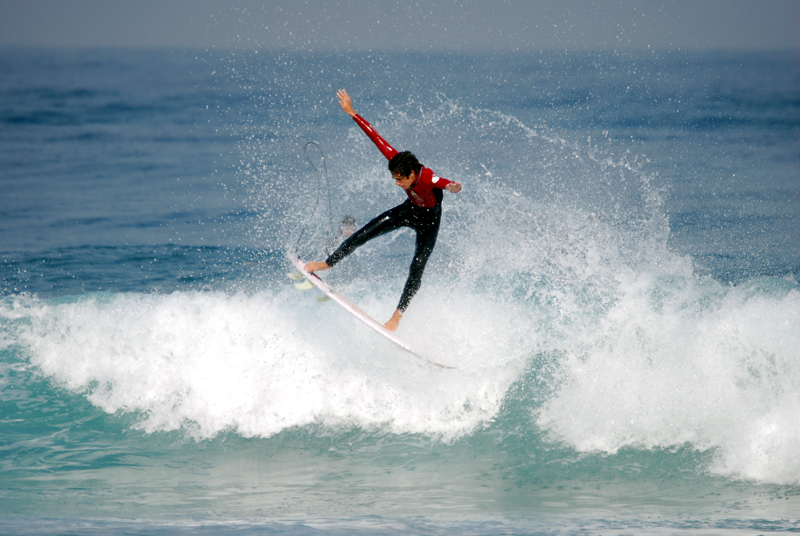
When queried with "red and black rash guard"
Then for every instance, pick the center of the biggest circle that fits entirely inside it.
(421, 193)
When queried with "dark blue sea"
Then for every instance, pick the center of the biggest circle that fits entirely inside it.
(616, 285)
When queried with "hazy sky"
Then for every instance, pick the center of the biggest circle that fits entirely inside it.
(431, 25)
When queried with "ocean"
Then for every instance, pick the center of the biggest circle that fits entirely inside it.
(616, 285)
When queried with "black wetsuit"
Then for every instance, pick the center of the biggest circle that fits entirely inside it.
(424, 221)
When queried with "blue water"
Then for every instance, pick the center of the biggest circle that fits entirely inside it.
(616, 285)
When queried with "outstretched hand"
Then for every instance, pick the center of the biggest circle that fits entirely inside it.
(345, 102)
(453, 187)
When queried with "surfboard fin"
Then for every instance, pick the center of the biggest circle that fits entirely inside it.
(323, 298)
(305, 285)
(295, 276)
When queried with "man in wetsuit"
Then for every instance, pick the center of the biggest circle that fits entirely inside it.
(422, 211)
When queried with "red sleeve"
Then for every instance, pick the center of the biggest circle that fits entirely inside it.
(439, 182)
(387, 150)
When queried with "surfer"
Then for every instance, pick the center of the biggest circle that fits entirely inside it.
(422, 211)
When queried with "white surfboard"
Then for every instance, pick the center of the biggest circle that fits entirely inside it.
(358, 313)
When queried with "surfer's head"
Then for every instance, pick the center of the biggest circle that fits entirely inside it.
(404, 164)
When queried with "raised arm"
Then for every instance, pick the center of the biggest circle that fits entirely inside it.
(344, 101)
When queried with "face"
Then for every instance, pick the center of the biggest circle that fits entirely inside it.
(404, 182)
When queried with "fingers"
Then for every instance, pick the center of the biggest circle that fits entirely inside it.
(345, 103)
(344, 98)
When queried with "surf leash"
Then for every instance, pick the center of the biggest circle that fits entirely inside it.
(320, 177)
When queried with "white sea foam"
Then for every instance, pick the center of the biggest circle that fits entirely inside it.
(686, 361)
(672, 361)
(254, 364)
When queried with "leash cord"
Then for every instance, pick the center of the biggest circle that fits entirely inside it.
(320, 177)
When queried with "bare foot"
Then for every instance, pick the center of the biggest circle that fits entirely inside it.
(316, 266)
(393, 322)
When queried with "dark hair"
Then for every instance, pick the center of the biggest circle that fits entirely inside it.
(404, 163)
